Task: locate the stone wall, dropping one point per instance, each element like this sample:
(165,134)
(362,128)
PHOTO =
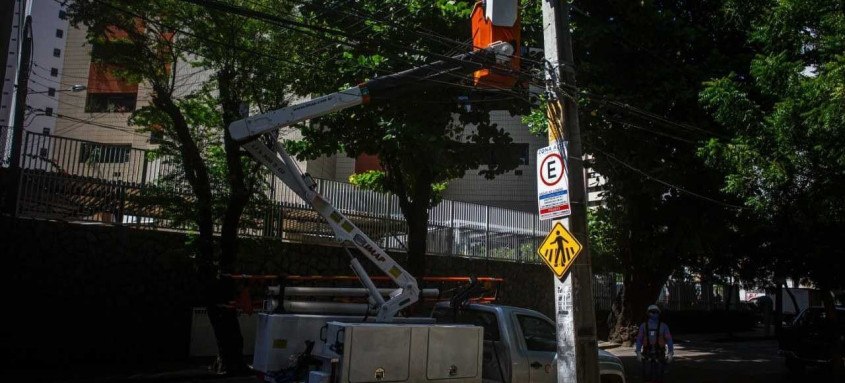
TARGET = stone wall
(93,292)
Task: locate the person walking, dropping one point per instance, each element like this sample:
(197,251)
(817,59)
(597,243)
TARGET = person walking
(655,349)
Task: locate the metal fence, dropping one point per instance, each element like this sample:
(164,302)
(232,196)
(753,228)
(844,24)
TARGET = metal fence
(70,179)
(675,295)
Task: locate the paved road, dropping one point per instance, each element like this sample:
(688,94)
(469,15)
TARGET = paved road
(704,359)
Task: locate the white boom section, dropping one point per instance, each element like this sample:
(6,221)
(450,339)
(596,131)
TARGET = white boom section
(280,163)
(320,106)
(249,130)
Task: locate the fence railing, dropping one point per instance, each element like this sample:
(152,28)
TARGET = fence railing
(674,296)
(73,179)
(79,180)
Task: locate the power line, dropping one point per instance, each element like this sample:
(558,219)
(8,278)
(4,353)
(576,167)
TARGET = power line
(292,25)
(296,25)
(667,184)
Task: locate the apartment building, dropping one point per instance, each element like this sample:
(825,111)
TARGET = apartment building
(99,113)
(45,86)
(516,190)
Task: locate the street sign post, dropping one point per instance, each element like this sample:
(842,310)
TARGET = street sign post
(552,183)
(559,250)
(575,318)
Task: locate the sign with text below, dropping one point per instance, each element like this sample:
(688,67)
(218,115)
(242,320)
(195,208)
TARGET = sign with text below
(552,183)
(559,250)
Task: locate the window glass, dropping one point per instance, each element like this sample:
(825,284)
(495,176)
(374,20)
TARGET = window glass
(538,333)
(476,318)
(110,102)
(518,151)
(103,153)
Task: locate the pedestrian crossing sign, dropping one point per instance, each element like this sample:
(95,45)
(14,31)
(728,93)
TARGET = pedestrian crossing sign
(559,250)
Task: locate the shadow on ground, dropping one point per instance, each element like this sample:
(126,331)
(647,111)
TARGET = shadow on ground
(745,360)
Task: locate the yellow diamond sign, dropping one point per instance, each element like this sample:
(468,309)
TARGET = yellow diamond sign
(559,250)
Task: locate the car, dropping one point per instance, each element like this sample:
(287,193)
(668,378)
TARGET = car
(519,344)
(807,340)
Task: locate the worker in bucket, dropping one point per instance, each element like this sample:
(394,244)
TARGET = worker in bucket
(655,348)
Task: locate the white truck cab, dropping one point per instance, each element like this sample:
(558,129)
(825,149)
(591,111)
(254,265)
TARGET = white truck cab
(519,344)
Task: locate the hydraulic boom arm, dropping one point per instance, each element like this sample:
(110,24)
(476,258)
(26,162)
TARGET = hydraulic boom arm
(271,154)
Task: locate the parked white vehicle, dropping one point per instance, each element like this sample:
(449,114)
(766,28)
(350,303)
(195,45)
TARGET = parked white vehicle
(519,344)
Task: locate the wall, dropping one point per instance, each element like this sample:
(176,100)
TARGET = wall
(94,293)
(45,23)
(510,190)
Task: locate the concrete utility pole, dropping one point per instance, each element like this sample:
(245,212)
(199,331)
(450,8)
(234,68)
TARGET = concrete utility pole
(577,350)
(20,93)
(20,114)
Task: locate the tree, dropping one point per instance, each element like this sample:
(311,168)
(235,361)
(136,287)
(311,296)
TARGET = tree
(159,36)
(424,138)
(785,155)
(640,66)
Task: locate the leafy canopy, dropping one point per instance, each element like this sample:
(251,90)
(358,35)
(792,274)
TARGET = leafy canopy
(785,156)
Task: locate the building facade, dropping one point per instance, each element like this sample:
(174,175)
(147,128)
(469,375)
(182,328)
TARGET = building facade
(98,111)
(49,33)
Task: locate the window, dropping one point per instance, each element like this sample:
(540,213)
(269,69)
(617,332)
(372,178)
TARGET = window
(63,15)
(156,136)
(51,92)
(57,52)
(477,318)
(538,333)
(107,92)
(54,72)
(60,33)
(104,153)
(522,151)
(110,102)
(48,111)
(366,162)
(519,151)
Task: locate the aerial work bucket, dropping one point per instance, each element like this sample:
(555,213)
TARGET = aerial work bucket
(492,21)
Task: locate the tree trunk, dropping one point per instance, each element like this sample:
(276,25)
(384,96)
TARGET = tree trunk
(217,291)
(196,173)
(229,339)
(638,292)
(417,236)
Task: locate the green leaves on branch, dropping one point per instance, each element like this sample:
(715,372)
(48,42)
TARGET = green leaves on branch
(785,155)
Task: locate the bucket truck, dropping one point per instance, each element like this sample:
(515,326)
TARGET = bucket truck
(352,350)
(386,348)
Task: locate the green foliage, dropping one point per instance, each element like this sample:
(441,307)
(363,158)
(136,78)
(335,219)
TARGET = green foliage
(537,120)
(604,245)
(785,156)
(371,180)
(162,36)
(654,56)
(423,137)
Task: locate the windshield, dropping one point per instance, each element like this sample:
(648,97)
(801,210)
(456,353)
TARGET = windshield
(483,319)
